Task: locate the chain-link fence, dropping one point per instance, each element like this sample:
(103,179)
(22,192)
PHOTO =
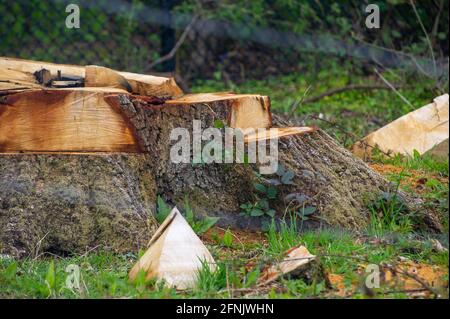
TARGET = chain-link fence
(37,30)
(239,39)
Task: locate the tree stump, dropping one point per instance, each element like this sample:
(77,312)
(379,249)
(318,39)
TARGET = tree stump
(103,191)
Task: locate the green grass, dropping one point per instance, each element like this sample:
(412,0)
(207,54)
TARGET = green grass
(435,174)
(357,112)
(105,275)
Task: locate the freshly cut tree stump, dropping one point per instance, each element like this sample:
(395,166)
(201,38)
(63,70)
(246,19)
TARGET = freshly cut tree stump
(243,110)
(97,158)
(64,120)
(338,184)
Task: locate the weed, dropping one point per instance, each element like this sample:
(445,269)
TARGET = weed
(211,280)
(267,193)
(227,239)
(199,226)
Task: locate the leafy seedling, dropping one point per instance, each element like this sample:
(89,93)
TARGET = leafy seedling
(227,239)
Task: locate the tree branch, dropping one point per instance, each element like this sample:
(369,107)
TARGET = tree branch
(179,43)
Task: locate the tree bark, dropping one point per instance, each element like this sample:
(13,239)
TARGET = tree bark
(72,203)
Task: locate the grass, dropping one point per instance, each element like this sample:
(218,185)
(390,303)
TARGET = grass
(389,236)
(358,112)
(425,175)
(104,275)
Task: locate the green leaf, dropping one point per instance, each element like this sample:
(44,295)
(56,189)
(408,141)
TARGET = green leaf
(252,277)
(188,211)
(260,188)
(162,210)
(227,239)
(10,272)
(219,124)
(308,210)
(263,204)
(246,159)
(272,192)
(280,170)
(256,212)
(271,212)
(206,223)
(50,278)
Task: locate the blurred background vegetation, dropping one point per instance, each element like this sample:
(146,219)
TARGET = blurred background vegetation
(290,50)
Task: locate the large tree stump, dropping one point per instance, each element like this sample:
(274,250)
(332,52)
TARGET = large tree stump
(94,196)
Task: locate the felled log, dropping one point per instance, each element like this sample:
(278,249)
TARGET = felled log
(419,130)
(96,76)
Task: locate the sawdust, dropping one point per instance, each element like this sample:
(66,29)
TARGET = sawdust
(414,178)
(435,277)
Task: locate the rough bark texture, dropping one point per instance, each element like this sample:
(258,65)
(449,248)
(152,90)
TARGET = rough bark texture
(70,203)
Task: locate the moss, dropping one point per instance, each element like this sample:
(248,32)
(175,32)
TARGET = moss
(68,203)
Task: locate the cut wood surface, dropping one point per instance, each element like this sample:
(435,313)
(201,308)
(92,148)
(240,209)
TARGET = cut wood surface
(138,83)
(65,120)
(91,119)
(99,76)
(175,254)
(30,67)
(295,260)
(419,130)
(143,84)
(14,80)
(244,110)
(277,132)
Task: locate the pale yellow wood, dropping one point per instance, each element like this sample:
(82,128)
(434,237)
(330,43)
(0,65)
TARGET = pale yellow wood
(16,80)
(175,254)
(247,110)
(150,85)
(29,66)
(99,76)
(64,120)
(418,130)
(294,259)
(139,83)
(277,132)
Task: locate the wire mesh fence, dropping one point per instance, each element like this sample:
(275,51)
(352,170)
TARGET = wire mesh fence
(254,40)
(37,30)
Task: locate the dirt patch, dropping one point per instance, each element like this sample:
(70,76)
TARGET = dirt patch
(244,237)
(413,178)
(433,276)
(338,283)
